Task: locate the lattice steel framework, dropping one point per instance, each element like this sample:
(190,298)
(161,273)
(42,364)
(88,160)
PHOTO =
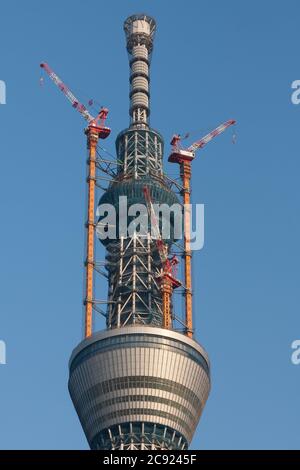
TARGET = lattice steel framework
(133,263)
(134,291)
(141,152)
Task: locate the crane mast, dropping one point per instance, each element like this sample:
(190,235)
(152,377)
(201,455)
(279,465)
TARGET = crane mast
(184,158)
(96,130)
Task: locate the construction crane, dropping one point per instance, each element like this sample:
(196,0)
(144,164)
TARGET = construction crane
(95,130)
(184,158)
(98,121)
(168,281)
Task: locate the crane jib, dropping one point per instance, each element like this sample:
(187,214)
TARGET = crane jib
(200,143)
(69,95)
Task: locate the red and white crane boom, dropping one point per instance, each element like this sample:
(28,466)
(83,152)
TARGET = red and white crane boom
(93,121)
(200,143)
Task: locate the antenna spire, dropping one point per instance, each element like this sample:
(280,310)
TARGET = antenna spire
(139,31)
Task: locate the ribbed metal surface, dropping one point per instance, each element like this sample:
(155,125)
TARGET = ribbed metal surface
(139,374)
(139,68)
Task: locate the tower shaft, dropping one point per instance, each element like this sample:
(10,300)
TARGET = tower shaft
(139,384)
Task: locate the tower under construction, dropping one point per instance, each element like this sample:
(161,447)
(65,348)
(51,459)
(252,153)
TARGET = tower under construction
(143,382)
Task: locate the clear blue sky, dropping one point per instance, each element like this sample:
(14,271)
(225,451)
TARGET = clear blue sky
(212,61)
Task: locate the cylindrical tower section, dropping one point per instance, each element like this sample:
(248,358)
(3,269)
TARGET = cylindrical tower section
(139,30)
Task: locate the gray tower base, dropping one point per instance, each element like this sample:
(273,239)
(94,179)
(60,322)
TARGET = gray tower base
(139,387)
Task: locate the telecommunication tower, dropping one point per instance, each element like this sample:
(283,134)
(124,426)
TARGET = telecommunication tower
(142,383)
